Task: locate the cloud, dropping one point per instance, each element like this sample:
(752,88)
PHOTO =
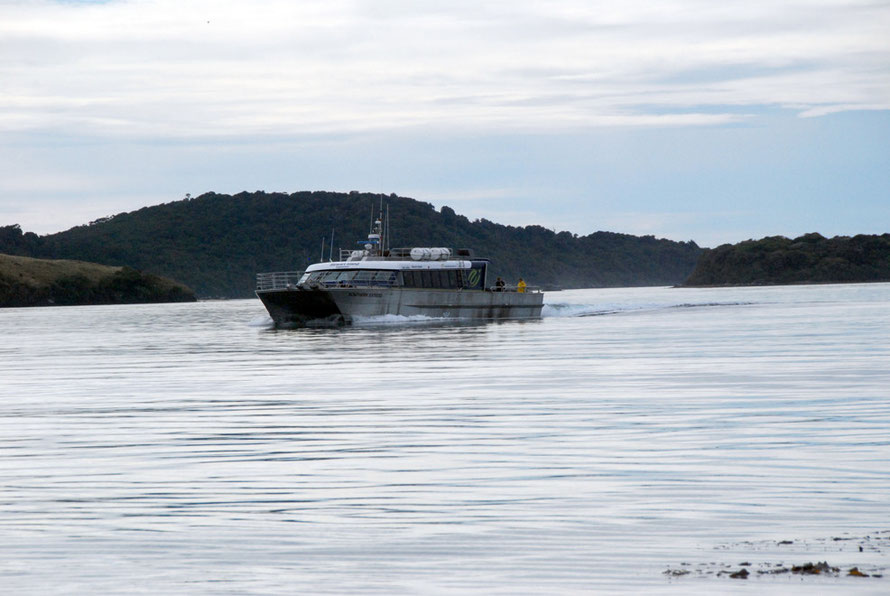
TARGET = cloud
(208,68)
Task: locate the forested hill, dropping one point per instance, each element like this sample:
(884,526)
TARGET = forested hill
(811,258)
(217,243)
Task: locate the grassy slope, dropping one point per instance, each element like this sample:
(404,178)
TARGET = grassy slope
(43,272)
(32,282)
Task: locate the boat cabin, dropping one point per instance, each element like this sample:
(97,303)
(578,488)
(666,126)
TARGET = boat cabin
(443,275)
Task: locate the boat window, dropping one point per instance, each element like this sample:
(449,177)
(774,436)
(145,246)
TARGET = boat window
(384,278)
(427,278)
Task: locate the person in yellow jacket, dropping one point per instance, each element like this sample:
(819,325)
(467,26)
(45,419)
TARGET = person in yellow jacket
(520,287)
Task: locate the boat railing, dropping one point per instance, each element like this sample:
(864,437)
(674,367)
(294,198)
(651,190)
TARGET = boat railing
(515,289)
(278,280)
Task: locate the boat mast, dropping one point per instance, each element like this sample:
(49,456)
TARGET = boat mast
(381,230)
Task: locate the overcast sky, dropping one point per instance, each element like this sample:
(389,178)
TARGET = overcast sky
(686,119)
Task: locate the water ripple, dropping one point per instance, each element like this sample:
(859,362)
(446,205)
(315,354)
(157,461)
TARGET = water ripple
(194,449)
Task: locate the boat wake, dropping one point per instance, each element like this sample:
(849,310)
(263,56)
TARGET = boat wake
(262,322)
(390,320)
(564,310)
(580,310)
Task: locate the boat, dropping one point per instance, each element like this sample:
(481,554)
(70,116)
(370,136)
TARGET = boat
(375,281)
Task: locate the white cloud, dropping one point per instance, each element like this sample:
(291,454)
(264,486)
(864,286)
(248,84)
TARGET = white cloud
(51,215)
(14,181)
(210,68)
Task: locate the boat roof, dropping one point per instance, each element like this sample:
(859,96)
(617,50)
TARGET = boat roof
(387,265)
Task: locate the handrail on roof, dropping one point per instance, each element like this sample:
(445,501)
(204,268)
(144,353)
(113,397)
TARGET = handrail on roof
(278,280)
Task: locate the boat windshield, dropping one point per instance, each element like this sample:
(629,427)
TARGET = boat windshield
(351,278)
(450,279)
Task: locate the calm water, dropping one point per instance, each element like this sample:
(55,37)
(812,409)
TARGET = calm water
(192,449)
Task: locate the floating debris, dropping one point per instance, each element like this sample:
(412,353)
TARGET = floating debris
(814,568)
(775,571)
(876,542)
(822,568)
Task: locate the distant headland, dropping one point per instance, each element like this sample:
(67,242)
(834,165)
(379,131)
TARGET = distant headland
(38,282)
(811,258)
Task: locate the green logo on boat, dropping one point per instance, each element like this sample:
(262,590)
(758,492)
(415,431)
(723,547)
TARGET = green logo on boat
(473,278)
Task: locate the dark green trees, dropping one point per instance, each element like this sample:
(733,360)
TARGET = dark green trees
(808,259)
(217,243)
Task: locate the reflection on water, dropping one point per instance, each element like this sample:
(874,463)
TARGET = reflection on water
(193,449)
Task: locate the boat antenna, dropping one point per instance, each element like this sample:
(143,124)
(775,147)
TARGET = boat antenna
(387,227)
(331,253)
(320,260)
(381,246)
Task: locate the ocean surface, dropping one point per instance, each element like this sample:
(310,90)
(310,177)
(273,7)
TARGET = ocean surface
(647,440)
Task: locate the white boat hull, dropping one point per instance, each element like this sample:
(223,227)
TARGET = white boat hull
(296,307)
